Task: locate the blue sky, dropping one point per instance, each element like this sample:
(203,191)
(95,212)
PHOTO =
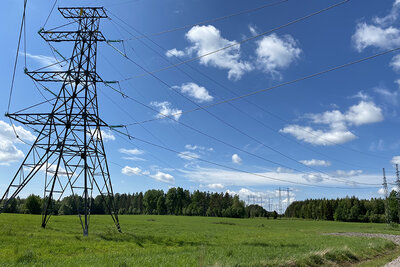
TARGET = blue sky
(337,130)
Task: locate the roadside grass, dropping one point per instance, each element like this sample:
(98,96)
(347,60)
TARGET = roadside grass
(188,241)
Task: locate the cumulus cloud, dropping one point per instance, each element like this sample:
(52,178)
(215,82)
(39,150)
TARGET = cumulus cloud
(7,133)
(371,35)
(163,177)
(215,186)
(350,173)
(313,177)
(395,63)
(396,160)
(199,93)
(187,155)
(105,135)
(381,191)
(130,171)
(134,151)
(159,176)
(316,162)
(236,159)
(165,109)
(365,112)
(9,153)
(276,53)
(175,53)
(206,39)
(319,137)
(389,18)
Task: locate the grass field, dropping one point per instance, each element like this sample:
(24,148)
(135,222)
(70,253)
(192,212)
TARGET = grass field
(188,241)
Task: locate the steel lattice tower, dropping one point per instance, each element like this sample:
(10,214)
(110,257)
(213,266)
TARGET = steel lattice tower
(69,149)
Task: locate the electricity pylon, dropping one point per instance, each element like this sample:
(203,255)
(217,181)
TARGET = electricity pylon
(69,149)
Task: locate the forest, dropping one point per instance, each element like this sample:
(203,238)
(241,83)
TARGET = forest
(176,201)
(349,209)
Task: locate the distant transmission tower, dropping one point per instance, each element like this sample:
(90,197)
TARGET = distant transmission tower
(280,201)
(69,149)
(288,197)
(397,178)
(385,192)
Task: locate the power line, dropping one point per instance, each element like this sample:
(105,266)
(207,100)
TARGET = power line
(236,129)
(232,168)
(237,43)
(51,11)
(320,73)
(221,85)
(16,56)
(209,20)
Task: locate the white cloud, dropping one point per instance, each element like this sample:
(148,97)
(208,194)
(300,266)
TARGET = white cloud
(197,92)
(253,30)
(7,133)
(9,153)
(163,177)
(391,97)
(187,155)
(319,137)
(215,186)
(130,171)
(361,95)
(165,109)
(133,158)
(196,147)
(134,151)
(391,17)
(228,178)
(236,159)
(316,162)
(381,191)
(283,170)
(276,53)
(350,173)
(365,112)
(106,135)
(370,35)
(45,61)
(396,160)
(206,39)
(174,52)
(395,63)
(313,177)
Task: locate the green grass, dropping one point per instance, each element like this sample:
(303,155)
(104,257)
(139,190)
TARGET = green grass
(188,241)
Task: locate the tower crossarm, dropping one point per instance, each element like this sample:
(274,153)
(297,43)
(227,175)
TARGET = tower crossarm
(64,76)
(71,36)
(59,119)
(83,12)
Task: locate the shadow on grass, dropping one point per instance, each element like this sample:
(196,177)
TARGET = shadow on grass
(142,239)
(264,244)
(226,223)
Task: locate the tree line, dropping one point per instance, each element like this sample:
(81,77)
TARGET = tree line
(176,201)
(349,209)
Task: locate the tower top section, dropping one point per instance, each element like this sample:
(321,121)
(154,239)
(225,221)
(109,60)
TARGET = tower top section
(83,12)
